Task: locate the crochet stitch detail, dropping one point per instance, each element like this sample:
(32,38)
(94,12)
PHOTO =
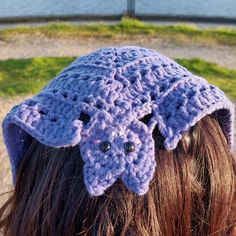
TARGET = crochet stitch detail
(102,97)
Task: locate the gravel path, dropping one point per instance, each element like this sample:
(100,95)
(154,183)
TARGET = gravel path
(31,46)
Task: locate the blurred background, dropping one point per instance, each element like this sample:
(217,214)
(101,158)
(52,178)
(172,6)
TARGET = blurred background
(213,8)
(39,38)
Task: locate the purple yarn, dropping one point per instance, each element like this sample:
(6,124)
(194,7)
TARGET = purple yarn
(102,97)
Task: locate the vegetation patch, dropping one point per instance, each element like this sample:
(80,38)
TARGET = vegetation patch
(127,28)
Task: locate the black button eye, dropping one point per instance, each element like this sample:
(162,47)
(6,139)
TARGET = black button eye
(129,147)
(105,146)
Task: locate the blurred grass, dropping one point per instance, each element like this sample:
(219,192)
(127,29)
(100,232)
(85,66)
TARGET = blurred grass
(28,76)
(127,28)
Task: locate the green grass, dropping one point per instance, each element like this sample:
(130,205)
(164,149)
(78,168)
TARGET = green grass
(28,76)
(128,28)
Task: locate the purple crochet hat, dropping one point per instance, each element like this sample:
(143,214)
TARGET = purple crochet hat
(98,103)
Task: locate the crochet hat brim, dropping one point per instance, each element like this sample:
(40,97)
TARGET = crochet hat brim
(186,104)
(32,119)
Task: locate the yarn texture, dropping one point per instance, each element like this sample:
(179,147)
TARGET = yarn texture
(98,103)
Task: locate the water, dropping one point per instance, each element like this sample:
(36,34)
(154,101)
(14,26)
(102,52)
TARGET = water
(223,8)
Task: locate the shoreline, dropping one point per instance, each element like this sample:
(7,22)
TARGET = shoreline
(118,17)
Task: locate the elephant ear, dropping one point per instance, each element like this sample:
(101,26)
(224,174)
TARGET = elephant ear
(185,103)
(52,120)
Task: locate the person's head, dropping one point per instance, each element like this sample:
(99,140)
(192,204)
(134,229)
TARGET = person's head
(150,152)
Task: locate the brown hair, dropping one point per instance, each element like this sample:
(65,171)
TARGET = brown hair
(193,192)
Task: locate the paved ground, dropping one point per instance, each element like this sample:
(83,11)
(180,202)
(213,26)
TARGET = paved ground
(31,46)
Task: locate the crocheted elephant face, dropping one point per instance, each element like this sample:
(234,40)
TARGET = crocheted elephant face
(117,148)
